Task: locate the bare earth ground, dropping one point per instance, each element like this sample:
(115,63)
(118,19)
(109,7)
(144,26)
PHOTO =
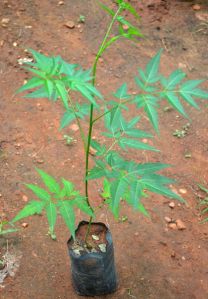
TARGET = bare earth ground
(153,261)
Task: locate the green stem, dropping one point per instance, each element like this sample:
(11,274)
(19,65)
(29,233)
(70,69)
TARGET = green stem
(99,53)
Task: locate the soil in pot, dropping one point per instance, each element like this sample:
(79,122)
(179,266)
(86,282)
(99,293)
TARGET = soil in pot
(92,263)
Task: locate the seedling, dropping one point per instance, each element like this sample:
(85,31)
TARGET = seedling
(182,133)
(123,179)
(81,19)
(5,223)
(69,140)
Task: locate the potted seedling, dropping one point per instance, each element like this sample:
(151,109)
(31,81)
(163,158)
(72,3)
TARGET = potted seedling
(90,245)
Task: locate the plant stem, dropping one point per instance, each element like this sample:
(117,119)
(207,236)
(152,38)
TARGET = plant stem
(99,53)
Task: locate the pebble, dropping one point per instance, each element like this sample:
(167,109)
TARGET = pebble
(168,219)
(172,225)
(183,191)
(24,198)
(61,3)
(24,224)
(180,224)
(172,205)
(125,27)
(74,127)
(69,24)
(5,22)
(196,7)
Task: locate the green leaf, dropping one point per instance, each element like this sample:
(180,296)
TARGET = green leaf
(81,203)
(191,84)
(43,62)
(96,173)
(67,212)
(159,189)
(188,98)
(121,92)
(39,192)
(86,93)
(50,87)
(32,208)
(49,181)
(106,189)
(142,209)
(152,114)
(149,168)
(8,231)
(37,72)
(51,216)
(174,101)
(39,93)
(135,193)
(175,78)
(61,89)
(199,93)
(117,190)
(152,68)
(125,142)
(131,9)
(138,133)
(107,9)
(68,186)
(67,118)
(32,83)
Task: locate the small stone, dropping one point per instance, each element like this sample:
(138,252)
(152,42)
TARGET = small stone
(74,127)
(24,198)
(24,224)
(77,252)
(183,258)
(94,237)
(15,44)
(136,233)
(5,22)
(173,254)
(61,3)
(125,27)
(196,7)
(182,65)
(172,205)
(40,161)
(1,43)
(168,219)
(180,224)
(183,191)
(172,225)
(102,247)
(69,24)
(144,140)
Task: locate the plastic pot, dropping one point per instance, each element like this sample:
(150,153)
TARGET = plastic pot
(93,273)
